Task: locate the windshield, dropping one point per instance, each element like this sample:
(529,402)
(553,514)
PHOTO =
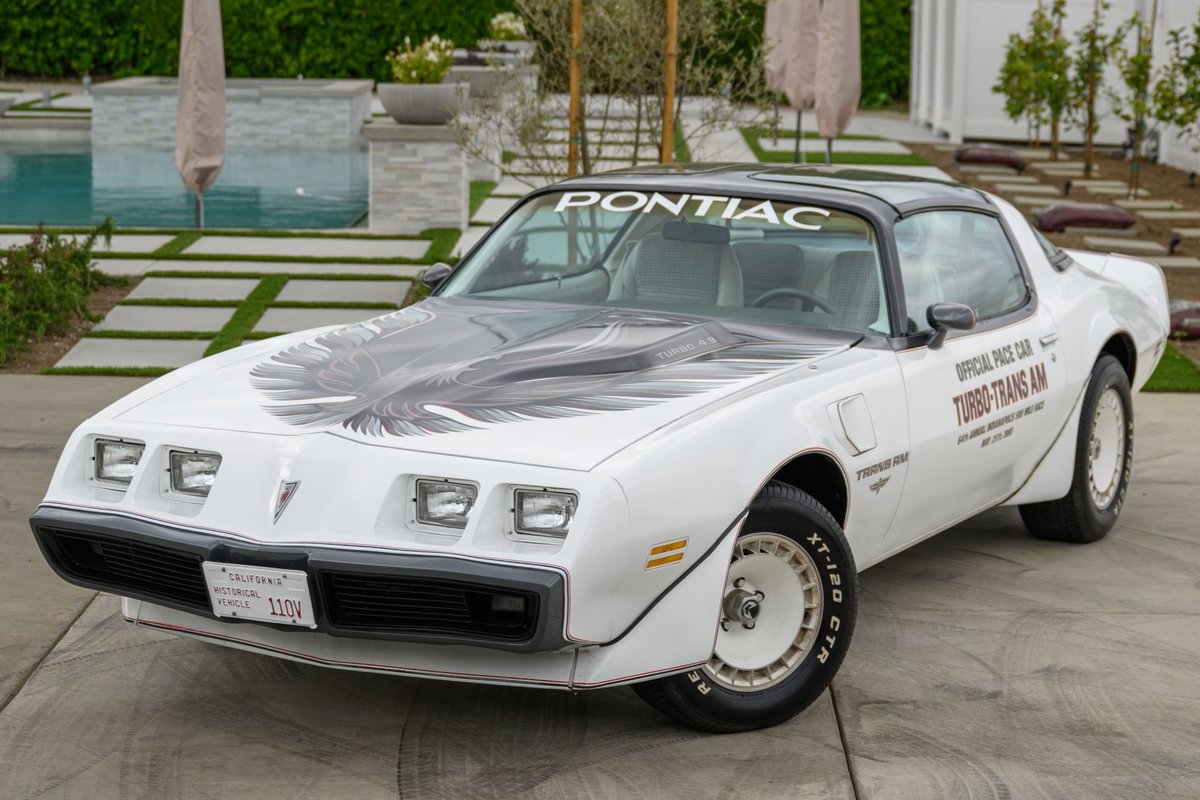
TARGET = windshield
(734,258)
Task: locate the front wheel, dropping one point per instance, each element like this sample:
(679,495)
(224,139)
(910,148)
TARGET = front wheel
(1103,463)
(786,621)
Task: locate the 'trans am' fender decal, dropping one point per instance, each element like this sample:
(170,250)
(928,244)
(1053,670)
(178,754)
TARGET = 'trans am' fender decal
(698,205)
(996,394)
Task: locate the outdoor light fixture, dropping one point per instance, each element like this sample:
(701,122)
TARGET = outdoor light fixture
(445,503)
(116,461)
(541,512)
(193,473)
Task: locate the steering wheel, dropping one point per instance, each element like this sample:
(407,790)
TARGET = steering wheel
(813,300)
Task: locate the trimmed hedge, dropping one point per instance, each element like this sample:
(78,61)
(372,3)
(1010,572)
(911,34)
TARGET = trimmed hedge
(886,41)
(263,38)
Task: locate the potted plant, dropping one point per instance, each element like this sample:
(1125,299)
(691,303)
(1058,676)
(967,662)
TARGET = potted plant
(418,96)
(507,33)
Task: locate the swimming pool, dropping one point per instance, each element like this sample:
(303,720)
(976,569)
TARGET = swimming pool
(69,184)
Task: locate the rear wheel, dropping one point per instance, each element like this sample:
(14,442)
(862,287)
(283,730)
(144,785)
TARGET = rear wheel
(1103,463)
(787,618)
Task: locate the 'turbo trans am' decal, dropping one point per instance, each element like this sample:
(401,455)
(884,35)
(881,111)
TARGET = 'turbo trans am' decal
(443,366)
(996,394)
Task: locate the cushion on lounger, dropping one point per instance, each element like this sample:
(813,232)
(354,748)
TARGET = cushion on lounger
(983,153)
(1060,216)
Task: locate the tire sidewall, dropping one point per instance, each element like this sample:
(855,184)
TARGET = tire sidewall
(821,538)
(1109,374)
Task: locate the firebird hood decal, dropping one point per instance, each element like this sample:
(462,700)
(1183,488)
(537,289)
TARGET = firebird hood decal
(451,365)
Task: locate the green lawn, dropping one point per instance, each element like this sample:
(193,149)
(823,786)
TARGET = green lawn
(1176,373)
(786,132)
(479,192)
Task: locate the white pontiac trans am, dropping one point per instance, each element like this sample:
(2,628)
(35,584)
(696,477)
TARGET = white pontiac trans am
(647,432)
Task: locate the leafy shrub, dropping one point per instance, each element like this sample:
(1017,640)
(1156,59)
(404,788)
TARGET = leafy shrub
(885,40)
(428,62)
(44,285)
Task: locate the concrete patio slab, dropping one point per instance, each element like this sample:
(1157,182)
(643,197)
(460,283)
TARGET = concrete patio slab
(1033,200)
(990,177)
(1176,262)
(125,267)
(1118,245)
(316,291)
(786,144)
(286,320)
(165,318)
(492,209)
(519,187)
(1027,188)
(312,246)
(1164,215)
(133,353)
(1134,205)
(121,242)
(1117,191)
(1187,233)
(193,289)
(289,267)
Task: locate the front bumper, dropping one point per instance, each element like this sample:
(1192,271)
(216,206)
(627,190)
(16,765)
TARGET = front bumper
(365,595)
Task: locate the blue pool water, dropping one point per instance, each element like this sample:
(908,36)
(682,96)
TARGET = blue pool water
(61,184)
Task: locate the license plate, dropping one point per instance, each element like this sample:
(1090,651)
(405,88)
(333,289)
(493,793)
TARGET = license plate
(258,593)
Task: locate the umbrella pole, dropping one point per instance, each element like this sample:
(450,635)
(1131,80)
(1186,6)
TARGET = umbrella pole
(799,133)
(829,152)
(199,210)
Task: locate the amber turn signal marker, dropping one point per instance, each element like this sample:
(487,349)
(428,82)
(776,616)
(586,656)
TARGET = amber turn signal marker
(666,553)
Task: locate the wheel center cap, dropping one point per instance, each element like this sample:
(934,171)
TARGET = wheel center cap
(743,604)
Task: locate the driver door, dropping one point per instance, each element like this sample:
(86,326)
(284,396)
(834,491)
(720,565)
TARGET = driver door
(985,406)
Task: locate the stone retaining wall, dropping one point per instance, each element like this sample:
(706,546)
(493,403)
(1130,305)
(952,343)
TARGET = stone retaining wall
(419,178)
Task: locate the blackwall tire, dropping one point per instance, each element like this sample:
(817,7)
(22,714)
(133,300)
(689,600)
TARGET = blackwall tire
(1103,463)
(776,653)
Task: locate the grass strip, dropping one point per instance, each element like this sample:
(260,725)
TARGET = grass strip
(116,334)
(177,245)
(180,302)
(248,314)
(790,133)
(441,242)
(322,276)
(479,192)
(256,335)
(121,372)
(1176,373)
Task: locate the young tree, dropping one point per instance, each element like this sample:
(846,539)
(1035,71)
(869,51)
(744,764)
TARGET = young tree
(1035,75)
(1132,99)
(1093,51)
(1018,83)
(1176,94)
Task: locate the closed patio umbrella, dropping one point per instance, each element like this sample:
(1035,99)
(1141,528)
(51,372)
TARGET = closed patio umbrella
(839,70)
(790,33)
(200,124)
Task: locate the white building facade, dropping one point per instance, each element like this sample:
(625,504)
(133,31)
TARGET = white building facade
(958,48)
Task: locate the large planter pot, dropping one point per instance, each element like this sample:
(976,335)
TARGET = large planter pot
(422,103)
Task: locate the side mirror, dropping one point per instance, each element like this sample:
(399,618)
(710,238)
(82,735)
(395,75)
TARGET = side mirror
(436,275)
(945,317)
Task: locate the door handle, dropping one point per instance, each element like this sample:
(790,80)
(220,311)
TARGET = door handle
(1048,339)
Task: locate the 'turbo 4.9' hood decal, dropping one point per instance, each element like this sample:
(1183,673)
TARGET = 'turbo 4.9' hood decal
(456,365)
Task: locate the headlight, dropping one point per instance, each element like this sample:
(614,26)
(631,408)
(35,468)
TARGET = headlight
(193,473)
(117,461)
(544,513)
(445,503)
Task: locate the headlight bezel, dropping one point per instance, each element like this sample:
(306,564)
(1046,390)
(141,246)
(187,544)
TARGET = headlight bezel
(96,472)
(172,488)
(440,525)
(542,534)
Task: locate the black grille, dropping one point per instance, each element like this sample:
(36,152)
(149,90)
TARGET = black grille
(139,568)
(370,602)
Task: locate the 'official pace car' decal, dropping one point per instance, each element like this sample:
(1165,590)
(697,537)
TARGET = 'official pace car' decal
(454,365)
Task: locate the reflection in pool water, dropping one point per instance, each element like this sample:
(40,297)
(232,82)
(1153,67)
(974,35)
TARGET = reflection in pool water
(66,184)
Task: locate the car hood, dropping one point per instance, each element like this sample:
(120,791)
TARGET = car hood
(558,385)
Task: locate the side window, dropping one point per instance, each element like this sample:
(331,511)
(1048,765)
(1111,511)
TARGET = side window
(957,257)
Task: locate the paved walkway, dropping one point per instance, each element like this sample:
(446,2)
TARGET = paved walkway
(985,664)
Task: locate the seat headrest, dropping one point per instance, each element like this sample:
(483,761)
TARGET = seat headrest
(681,231)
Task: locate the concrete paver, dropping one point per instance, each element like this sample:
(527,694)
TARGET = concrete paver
(1170,215)
(492,209)
(1029,189)
(289,267)
(286,320)
(1134,205)
(133,353)
(165,318)
(1176,262)
(1107,244)
(308,246)
(1006,177)
(317,291)
(1117,191)
(788,143)
(193,289)
(1188,233)
(121,242)
(987,169)
(519,187)
(469,238)
(1033,200)
(125,267)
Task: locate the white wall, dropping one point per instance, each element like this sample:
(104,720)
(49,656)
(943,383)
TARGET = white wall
(957,50)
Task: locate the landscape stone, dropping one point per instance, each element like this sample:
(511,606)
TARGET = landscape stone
(286,320)
(318,291)
(308,246)
(165,318)
(1118,245)
(193,289)
(133,353)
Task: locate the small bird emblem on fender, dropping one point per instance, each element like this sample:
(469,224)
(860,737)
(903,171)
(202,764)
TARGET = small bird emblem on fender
(879,484)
